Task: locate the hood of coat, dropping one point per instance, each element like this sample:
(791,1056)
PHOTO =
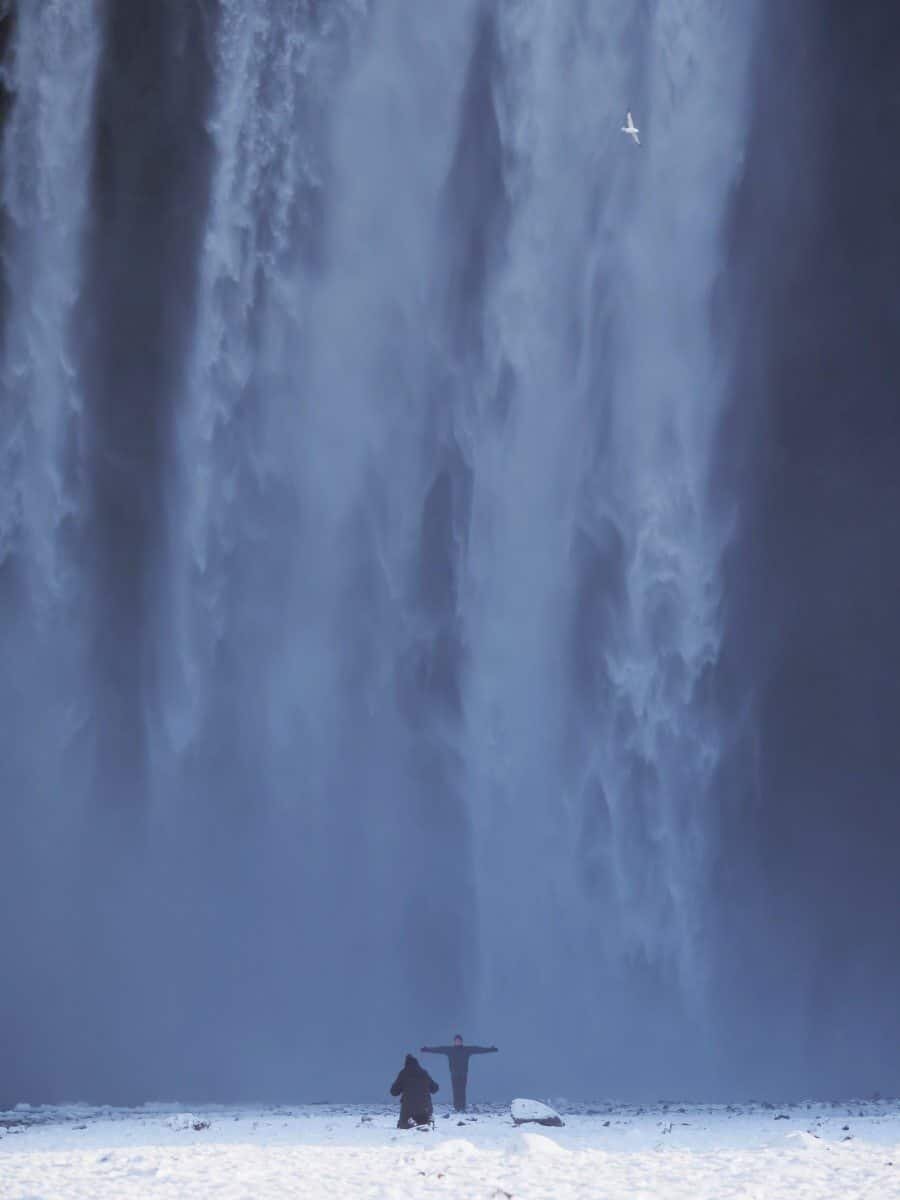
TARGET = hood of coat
(413,1066)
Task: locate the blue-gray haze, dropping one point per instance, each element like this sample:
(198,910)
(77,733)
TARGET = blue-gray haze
(448,553)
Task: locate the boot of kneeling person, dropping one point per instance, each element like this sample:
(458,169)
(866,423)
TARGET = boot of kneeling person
(415,1087)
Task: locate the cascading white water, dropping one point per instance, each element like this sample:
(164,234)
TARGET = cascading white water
(303,461)
(596,503)
(428,735)
(668,406)
(242,374)
(46,167)
(46,688)
(47,154)
(591,605)
(472,508)
(377,654)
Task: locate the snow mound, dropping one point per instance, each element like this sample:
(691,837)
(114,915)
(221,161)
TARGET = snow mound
(455,1148)
(524,1111)
(808,1140)
(536,1145)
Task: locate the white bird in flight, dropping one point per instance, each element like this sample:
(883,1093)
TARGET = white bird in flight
(632,129)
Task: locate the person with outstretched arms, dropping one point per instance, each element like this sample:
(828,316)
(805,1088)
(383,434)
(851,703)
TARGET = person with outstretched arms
(458,1056)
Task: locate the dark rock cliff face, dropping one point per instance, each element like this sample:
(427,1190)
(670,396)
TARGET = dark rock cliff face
(7,19)
(7,23)
(151,170)
(809,884)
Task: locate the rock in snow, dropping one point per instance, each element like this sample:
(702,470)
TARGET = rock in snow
(524,1111)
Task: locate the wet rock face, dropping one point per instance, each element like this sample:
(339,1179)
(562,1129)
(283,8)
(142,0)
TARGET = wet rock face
(815,510)
(6,25)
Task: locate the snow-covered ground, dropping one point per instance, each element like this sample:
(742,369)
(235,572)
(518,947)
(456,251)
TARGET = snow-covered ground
(837,1151)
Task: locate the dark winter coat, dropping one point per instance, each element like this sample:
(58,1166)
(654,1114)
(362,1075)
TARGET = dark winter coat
(459,1057)
(415,1087)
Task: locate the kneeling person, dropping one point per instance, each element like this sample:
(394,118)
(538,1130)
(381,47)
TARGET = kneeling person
(415,1087)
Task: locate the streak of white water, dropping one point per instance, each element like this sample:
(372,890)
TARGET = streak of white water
(307,369)
(457,554)
(46,168)
(301,452)
(599,793)
(667,406)
(242,375)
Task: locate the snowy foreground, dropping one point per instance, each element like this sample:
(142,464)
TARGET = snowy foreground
(671,1151)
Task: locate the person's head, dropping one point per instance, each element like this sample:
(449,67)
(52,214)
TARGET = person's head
(457,1040)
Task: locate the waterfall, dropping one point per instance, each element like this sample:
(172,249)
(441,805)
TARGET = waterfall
(46,166)
(444,570)
(438,581)
(591,574)
(304,630)
(47,151)
(46,702)
(371,560)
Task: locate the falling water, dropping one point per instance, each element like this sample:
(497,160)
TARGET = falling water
(444,573)
(46,166)
(590,598)
(46,163)
(439,586)
(361,568)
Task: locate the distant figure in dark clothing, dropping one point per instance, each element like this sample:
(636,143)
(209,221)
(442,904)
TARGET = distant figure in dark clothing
(459,1056)
(415,1087)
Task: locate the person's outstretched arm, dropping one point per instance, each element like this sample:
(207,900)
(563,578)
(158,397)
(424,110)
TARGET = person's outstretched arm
(482,1049)
(435,1049)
